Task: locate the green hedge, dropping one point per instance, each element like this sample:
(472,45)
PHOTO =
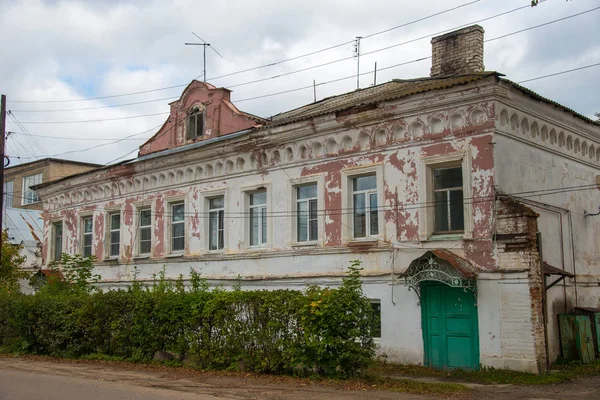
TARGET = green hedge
(324,331)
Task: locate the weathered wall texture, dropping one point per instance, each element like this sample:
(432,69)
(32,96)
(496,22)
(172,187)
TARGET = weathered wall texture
(536,153)
(221,118)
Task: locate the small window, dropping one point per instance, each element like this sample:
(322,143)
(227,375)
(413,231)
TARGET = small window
(448,200)
(29,195)
(145,231)
(57,235)
(115,234)
(258,218)
(306,210)
(8,194)
(195,124)
(365,210)
(177,227)
(216,207)
(88,227)
(376,321)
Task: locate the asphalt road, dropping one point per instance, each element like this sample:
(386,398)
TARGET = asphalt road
(21,385)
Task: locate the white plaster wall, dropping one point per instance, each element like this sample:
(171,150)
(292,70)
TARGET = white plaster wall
(523,167)
(506,337)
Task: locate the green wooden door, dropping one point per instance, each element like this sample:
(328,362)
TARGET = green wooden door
(450,330)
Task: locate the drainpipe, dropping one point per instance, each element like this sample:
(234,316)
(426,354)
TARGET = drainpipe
(573,257)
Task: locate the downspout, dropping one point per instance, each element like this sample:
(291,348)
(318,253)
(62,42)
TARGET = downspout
(573,256)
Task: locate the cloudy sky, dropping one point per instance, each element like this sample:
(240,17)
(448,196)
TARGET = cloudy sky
(59,54)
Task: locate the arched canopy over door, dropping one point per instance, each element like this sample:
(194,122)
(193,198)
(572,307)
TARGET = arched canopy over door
(443,266)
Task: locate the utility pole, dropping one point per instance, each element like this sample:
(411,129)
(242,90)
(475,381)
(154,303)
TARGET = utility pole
(3,136)
(204,44)
(357,55)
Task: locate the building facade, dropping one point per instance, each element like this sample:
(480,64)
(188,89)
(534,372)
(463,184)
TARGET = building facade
(444,187)
(19,179)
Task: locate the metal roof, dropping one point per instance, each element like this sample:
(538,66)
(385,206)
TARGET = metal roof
(463,266)
(24,226)
(394,89)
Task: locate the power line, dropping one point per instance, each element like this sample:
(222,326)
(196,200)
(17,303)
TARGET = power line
(99,107)
(344,59)
(96,120)
(560,73)
(261,66)
(75,138)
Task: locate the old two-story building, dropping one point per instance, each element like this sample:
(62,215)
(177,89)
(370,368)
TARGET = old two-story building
(445,187)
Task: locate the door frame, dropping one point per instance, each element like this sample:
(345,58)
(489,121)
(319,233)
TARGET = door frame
(424,320)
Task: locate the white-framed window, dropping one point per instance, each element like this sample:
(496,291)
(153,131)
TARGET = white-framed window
(258,217)
(8,194)
(444,183)
(145,231)
(195,124)
(365,215)
(29,195)
(87,224)
(307,226)
(216,223)
(448,200)
(114,234)
(57,240)
(177,227)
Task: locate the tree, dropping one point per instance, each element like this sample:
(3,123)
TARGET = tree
(10,265)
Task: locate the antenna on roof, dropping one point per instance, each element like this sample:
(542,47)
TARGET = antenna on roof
(204,44)
(357,55)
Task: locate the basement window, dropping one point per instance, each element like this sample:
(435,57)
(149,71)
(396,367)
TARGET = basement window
(195,124)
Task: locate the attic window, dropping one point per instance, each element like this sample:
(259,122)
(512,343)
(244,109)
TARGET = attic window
(195,124)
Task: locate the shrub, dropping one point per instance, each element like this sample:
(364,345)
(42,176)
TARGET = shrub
(323,331)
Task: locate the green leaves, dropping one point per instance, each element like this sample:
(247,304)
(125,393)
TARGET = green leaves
(323,330)
(10,265)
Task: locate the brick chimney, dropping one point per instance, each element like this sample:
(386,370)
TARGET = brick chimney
(457,52)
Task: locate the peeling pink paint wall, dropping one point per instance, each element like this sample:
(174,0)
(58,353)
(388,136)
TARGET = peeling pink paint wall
(221,118)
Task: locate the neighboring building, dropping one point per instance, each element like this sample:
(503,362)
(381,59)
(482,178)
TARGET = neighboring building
(24,227)
(439,185)
(19,179)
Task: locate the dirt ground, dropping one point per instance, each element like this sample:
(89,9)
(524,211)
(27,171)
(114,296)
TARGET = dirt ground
(181,383)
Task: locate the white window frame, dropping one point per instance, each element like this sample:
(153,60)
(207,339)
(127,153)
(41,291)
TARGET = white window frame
(84,234)
(292,236)
(262,217)
(427,214)
(53,224)
(139,227)
(367,195)
(8,194)
(110,231)
(245,203)
(172,224)
(348,175)
(220,217)
(27,191)
(308,201)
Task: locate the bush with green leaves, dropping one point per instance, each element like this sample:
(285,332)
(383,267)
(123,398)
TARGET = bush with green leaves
(319,331)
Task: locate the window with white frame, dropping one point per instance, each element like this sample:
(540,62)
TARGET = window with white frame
(88,227)
(216,230)
(448,200)
(195,124)
(8,194)
(364,206)
(258,218)
(307,229)
(29,195)
(57,239)
(145,231)
(114,221)
(177,227)
(376,318)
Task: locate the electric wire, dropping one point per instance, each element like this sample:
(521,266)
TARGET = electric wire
(253,68)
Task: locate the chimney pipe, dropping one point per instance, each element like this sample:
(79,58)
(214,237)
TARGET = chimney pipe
(457,52)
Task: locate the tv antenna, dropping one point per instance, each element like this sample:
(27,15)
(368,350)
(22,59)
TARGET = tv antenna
(204,44)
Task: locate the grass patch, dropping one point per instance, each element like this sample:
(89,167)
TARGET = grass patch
(560,373)
(417,387)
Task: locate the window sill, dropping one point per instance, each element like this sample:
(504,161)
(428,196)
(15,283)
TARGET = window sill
(305,244)
(257,248)
(220,251)
(174,255)
(114,258)
(145,257)
(363,240)
(446,236)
